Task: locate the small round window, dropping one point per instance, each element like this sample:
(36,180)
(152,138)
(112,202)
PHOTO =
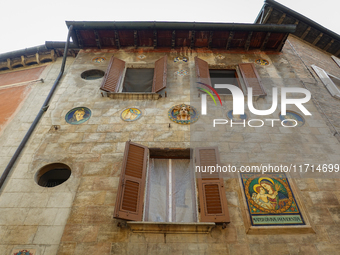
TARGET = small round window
(53,175)
(92,74)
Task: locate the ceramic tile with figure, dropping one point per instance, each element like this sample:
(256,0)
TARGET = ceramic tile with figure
(270,200)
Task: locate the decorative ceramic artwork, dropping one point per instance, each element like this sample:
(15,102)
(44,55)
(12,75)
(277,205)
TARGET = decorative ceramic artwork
(236,118)
(181,72)
(270,200)
(219,56)
(141,56)
(180,59)
(183,114)
(78,115)
(292,119)
(98,60)
(262,62)
(23,252)
(131,114)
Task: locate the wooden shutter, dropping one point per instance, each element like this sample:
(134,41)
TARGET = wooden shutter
(160,73)
(252,79)
(213,205)
(332,88)
(130,195)
(114,75)
(202,71)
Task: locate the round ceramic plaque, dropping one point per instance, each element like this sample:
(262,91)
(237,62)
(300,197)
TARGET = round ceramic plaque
(131,114)
(292,119)
(183,114)
(262,62)
(99,60)
(78,115)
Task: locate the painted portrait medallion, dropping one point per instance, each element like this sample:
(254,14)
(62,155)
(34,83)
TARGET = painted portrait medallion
(131,114)
(291,117)
(78,115)
(262,62)
(99,60)
(236,117)
(183,114)
(270,200)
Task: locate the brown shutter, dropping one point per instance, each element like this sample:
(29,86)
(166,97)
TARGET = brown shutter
(202,71)
(113,75)
(130,194)
(212,198)
(252,79)
(160,73)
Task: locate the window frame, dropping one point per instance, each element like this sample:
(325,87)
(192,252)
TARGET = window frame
(139,213)
(114,77)
(247,75)
(238,77)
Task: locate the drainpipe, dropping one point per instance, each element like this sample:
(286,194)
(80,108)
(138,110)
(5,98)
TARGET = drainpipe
(38,117)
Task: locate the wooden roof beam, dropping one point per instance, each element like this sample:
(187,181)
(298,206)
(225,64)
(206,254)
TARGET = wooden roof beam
(267,15)
(230,38)
(173,39)
(246,46)
(80,41)
(265,41)
(281,19)
(317,39)
(135,39)
(329,45)
(305,33)
(117,42)
(155,38)
(192,43)
(97,39)
(210,39)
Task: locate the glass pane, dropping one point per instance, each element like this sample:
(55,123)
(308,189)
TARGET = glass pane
(184,202)
(156,207)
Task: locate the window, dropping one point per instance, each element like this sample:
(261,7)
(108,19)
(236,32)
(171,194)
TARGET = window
(53,175)
(171,182)
(212,77)
(138,80)
(331,82)
(223,76)
(118,78)
(170,191)
(93,74)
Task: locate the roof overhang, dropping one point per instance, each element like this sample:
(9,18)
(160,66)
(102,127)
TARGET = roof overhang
(228,36)
(308,30)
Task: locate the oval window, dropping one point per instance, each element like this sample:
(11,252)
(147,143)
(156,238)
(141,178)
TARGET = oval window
(92,74)
(53,175)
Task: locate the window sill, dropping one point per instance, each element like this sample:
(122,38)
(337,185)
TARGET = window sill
(134,95)
(171,227)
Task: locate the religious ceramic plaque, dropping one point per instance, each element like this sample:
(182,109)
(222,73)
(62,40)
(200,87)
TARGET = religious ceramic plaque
(131,114)
(270,200)
(78,115)
(183,114)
